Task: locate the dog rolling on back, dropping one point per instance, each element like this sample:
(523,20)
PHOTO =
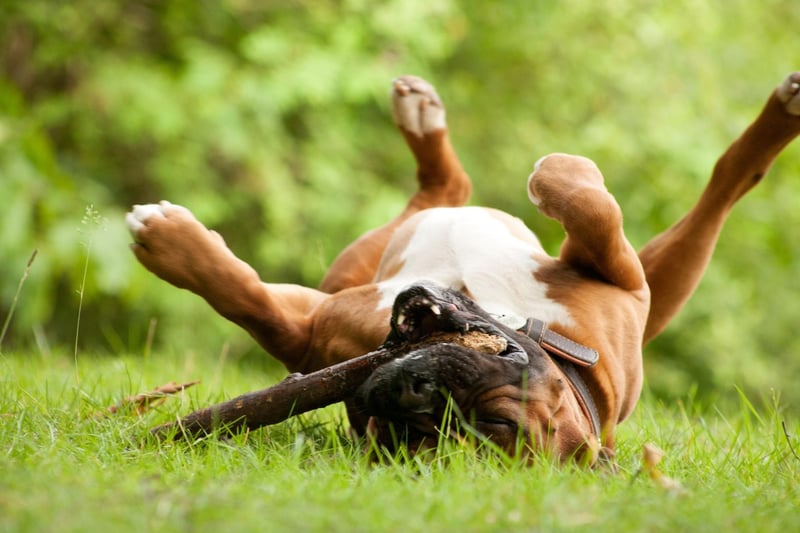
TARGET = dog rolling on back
(564,366)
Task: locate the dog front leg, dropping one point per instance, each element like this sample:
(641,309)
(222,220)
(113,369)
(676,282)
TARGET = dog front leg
(170,242)
(570,189)
(676,260)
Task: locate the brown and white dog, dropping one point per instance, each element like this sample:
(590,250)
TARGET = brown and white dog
(568,366)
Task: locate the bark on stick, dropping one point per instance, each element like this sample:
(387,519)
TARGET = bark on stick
(293,396)
(303,393)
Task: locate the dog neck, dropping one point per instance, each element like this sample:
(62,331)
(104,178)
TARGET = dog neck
(567,355)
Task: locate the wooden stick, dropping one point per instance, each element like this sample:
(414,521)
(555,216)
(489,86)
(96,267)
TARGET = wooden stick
(293,396)
(299,394)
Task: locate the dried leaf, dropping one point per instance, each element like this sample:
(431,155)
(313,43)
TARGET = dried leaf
(144,401)
(651,457)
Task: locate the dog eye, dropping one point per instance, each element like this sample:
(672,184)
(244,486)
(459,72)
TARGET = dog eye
(489,426)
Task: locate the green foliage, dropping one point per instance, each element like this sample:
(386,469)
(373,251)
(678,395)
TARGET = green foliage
(271,122)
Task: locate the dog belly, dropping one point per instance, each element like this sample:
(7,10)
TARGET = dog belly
(488,254)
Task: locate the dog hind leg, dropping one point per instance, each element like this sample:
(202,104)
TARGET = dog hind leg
(570,189)
(675,260)
(420,117)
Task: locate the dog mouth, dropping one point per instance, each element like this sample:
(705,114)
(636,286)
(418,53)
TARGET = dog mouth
(425,314)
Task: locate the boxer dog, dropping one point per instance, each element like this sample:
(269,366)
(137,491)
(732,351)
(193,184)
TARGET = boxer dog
(563,362)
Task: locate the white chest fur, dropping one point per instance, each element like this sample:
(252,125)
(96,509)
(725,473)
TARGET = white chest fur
(489,254)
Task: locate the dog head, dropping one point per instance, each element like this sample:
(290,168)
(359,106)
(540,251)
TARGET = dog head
(498,382)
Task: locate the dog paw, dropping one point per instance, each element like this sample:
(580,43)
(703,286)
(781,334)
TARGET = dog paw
(556,177)
(173,244)
(144,217)
(416,107)
(139,215)
(788,93)
(154,224)
(533,194)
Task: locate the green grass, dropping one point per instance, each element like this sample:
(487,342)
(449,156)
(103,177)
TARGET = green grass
(62,469)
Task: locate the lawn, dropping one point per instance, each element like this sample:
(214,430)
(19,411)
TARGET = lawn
(63,467)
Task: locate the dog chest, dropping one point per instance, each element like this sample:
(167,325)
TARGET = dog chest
(488,254)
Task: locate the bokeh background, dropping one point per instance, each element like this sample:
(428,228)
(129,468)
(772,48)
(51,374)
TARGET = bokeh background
(270,120)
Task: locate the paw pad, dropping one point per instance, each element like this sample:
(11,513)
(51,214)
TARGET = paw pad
(416,107)
(789,93)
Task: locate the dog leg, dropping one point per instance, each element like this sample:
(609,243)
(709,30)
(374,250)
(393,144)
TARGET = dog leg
(570,189)
(420,116)
(675,261)
(174,245)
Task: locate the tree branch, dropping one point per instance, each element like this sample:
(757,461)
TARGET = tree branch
(298,394)
(293,396)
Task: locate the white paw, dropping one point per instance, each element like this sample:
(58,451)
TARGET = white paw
(789,93)
(416,107)
(140,214)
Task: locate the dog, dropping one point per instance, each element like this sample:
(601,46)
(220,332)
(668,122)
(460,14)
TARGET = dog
(562,366)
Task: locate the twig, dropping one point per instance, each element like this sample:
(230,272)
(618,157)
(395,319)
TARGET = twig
(16,296)
(301,393)
(293,396)
(789,440)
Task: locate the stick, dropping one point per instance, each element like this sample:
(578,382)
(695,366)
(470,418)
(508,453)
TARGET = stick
(299,394)
(293,396)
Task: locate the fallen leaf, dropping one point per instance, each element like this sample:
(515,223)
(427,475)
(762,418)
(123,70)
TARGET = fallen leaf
(651,457)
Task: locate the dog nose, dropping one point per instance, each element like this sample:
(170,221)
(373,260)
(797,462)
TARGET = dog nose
(416,394)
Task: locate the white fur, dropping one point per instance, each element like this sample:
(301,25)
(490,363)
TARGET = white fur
(468,248)
(141,213)
(416,113)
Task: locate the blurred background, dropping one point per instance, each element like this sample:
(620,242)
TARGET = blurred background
(271,122)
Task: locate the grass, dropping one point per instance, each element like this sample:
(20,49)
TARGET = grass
(63,469)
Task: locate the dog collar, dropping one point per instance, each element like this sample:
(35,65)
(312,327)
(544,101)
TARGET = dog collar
(568,354)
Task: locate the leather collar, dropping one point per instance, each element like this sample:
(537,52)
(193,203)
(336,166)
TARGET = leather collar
(568,354)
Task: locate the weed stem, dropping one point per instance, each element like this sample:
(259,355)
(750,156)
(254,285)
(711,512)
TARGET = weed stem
(16,296)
